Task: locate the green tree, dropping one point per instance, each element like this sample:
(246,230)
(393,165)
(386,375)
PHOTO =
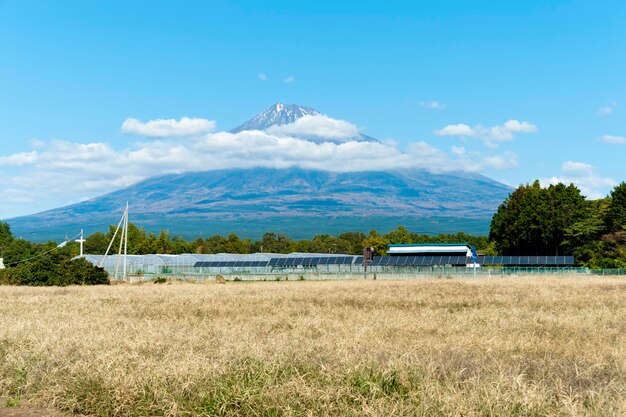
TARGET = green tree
(6,237)
(18,250)
(534,220)
(354,240)
(616,215)
(378,242)
(399,236)
(274,243)
(96,244)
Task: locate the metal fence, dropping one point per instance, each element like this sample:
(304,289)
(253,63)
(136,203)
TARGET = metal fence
(348,272)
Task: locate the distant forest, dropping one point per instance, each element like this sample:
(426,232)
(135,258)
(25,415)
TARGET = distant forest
(556,220)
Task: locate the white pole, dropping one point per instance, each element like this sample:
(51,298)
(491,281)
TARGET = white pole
(81,241)
(126,240)
(119,250)
(111,242)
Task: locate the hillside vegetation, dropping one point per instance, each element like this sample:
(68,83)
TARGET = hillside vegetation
(532,347)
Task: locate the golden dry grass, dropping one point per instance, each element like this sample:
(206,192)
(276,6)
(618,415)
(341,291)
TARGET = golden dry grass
(505,347)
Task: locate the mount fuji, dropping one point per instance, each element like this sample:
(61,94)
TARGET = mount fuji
(294,201)
(272,118)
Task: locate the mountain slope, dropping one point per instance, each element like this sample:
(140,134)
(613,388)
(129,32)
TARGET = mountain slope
(295,201)
(255,199)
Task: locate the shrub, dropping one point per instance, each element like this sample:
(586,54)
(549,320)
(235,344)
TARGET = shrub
(48,270)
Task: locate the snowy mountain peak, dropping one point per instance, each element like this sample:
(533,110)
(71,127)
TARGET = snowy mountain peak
(276,115)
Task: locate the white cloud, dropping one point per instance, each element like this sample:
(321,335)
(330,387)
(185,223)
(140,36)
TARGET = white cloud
(433,105)
(262,76)
(608,109)
(491,136)
(577,168)
(458,150)
(583,176)
(17,196)
(79,170)
(456,130)
(18,159)
(161,128)
(618,140)
(317,126)
(290,80)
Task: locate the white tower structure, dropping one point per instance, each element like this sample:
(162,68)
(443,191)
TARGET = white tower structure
(123,223)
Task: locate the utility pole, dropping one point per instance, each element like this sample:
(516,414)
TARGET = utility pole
(368,255)
(123,244)
(81,241)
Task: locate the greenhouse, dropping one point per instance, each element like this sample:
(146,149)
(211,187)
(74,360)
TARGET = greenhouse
(312,265)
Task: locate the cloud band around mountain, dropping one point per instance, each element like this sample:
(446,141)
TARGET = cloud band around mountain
(81,170)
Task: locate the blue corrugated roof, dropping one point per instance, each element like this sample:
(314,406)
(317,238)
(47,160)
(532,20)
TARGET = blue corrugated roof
(427,244)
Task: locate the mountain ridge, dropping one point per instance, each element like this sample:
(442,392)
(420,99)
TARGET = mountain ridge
(298,200)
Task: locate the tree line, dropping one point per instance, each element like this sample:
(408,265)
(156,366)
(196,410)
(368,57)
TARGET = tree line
(141,242)
(533,220)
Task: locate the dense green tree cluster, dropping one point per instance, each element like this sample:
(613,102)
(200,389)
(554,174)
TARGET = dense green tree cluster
(51,269)
(558,220)
(44,263)
(141,242)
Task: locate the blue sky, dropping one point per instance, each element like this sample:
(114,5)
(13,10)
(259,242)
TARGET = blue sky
(435,81)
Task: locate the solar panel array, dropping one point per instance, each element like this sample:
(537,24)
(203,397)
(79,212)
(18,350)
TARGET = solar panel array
(230,264)
(525,260)
(313,261)
(394,261)
(462,260)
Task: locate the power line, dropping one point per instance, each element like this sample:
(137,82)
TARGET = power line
(60,245)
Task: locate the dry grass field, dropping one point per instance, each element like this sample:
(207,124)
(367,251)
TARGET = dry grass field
(501,347)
